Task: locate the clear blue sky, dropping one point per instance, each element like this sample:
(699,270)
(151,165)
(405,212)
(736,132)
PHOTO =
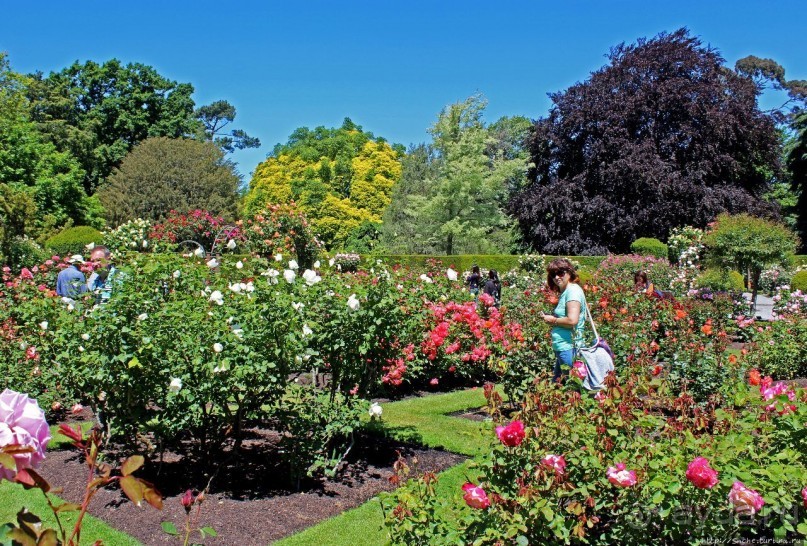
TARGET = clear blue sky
(389,66)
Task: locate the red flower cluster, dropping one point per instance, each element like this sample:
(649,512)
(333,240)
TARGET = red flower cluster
(396,367)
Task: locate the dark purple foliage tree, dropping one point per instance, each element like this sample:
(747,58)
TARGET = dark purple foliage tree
(662,136)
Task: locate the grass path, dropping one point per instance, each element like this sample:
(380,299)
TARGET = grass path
(422,420)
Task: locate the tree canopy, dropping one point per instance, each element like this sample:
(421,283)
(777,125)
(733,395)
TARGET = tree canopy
(163,174)
(340,177)
(662,136)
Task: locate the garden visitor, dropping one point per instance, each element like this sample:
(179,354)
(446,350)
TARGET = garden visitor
(100,282)
(641,284)
(493,287)
(70,282)
(474,280)
(569,316)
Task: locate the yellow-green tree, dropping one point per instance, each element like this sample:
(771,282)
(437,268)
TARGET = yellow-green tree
(340,177)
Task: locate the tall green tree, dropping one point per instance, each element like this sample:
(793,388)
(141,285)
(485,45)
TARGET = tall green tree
(215,118)
(163,174)
(463,208)
(98,112)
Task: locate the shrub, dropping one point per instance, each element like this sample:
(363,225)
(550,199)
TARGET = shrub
(199,226)
(24,252)
(685,245)
(722,280)
(73,240)
(779,349)
(133,235)
(282,229)
(799,281)
(619,271)
(648,246)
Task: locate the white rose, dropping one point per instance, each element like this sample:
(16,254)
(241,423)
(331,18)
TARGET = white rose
(238,332)
(80,349)
(231,244)
(175,385)
(306,330)
(90,246)
(217,297)
(199,252)
(44,324)
(451,274)
(145,243)
(249,287)
(85,336)
(218,347)
(316,264)
(177,274)
(311,277)
(236,287)
(297,306)
(353,303)
(331,262)
(289,275)
(279,258)
(239,264)
(375,410)
(212,263)
(293,264)
(425,278)
(142,316)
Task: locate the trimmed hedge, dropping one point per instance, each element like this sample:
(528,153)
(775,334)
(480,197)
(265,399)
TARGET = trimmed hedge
(648,246)
(799,281)
(800,259)
(499,262)
(719,279)
(73,240)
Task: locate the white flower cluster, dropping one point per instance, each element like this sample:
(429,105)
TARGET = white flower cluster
(133,235)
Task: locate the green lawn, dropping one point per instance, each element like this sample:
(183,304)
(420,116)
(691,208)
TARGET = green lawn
(422,420)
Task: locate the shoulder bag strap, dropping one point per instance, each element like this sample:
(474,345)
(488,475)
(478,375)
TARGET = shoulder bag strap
(590,318)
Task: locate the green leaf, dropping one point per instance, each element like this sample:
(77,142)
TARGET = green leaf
(169,528)
(209,531)
(135,363)
(131,464)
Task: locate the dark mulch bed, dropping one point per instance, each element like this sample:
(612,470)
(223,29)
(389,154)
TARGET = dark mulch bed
(249,501)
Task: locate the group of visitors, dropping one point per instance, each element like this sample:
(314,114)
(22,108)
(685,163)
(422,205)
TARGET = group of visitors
(492,286)
(71,282)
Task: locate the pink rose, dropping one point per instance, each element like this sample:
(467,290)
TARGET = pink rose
(511,435)
(76,409)
(804,496)
(701,474)
(22,423)
(745,501)
(579,369)
(618,475)
(434,382)
(475,496)
(26,273)
(556,463)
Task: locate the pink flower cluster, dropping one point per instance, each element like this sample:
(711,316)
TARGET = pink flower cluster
(396,367)
(770,392)
(701,474)
(512,435)
(579,370)
(745,501)
(22,423)
(556,463)
(475,496)
(619,475)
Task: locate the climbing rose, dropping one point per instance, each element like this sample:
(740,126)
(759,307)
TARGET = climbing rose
(22,423)
(511,435)
(556,463)
(621,477)
(701,474)
(744,500)
(475,496)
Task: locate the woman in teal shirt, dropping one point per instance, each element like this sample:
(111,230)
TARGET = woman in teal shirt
(569,317)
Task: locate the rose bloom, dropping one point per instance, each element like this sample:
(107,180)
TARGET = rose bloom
(579,369)
(745,500)
(22,423)
(475,496)
(804,496)
(754,378)
(701,474)
(620,476)
(556,463)
(511,435)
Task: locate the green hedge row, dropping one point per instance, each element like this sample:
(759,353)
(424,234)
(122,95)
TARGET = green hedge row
(499,262)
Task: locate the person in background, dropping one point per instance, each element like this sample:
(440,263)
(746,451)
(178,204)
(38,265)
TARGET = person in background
(569,316)
(641,284)
(474,280)
(70,283)
(101,280)
(493,287)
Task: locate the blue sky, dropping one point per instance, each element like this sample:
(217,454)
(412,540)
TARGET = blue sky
(389,66)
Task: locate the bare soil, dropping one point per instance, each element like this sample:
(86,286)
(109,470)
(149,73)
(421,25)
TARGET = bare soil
(250,500)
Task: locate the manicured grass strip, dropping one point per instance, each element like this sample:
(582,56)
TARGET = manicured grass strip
(365,524)
(14,497)
(424,421)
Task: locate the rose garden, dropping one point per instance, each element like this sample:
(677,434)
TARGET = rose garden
(269,372)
